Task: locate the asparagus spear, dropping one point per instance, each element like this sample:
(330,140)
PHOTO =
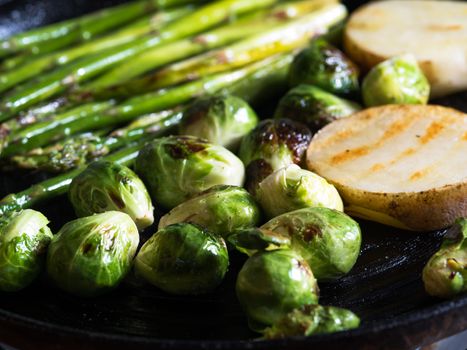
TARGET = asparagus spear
(81,149)
(287,37)
(58,81)
(58,35)
(146,26)
(172,52)
(58,185)
(44,132)
(86,118)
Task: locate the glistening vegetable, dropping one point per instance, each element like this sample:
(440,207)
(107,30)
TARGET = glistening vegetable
(24,237)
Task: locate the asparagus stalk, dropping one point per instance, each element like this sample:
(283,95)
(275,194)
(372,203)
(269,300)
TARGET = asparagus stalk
(147,26)
(86,117)
(287,37)
(83,70)
(58,185)
(59,35)
(80,150)
(44,132)
(230,33)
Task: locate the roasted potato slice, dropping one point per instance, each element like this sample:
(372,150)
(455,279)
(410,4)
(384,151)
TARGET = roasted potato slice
(401,165)
(435,32)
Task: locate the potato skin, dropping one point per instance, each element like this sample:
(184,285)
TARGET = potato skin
(429,210)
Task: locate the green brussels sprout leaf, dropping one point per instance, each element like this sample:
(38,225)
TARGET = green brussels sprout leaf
(253,239)
(312,319)
(24,237)
(445,274)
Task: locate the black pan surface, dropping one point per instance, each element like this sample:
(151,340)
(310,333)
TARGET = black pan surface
(384,288)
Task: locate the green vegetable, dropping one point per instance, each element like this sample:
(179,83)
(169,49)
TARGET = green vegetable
(284,38)
(445,274)
(55,186)
(312,319)
(398,80)
(175,168)
(327,239)
(106,186)
(324,66)
(91,255)
(222,209)
(272,145)
(314,107)
(24,237)
(220,119)
(62,78)
(292,188)
(183,259)
(271,284)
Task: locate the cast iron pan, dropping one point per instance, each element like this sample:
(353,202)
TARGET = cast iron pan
(384,288)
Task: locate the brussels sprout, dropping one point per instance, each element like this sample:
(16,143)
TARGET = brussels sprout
(221,209)
(327,239)
(323,65)
(271,284)
(106,186)
(398,80)
(91,255)
(312,319)
(24,237)
(183,259)
(254,238)
(220,119)
(176,168)
(292,188)
(445,274)
(314,107)
(272,145)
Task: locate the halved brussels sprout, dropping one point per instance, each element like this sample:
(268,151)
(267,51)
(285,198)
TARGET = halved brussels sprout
(175,168)
(222,209)
(24,237)
(183,259)
(325,66)
(106,186)
(91,255)
(445,274)
(314,107)
(312,319)
(273,283)
(398,80)
(272,145)
(292,188)
(327,239)
(221,119)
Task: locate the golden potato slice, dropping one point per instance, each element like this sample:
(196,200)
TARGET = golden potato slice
(401,165)
(435,32)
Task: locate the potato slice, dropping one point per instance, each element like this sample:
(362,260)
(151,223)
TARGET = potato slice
(401,165)
(435,32)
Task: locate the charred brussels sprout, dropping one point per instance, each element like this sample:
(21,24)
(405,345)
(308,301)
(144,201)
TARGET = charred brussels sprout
(323,65)
(312,319)
(398,80)
(24,237)
(222,209)
(445,274)
(314,107)
(106,186)
(292,188)
(327,239)
(175,168)
(183,259)
(272,145)
(91,255)
(271,284)
(220,119)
